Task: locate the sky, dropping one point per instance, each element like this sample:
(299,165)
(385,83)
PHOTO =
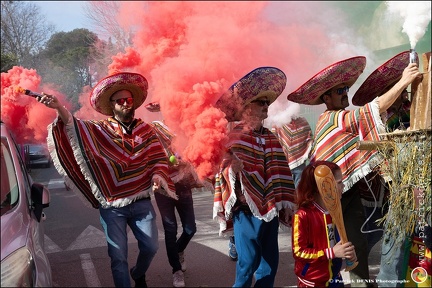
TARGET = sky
(65,15)
(192,51)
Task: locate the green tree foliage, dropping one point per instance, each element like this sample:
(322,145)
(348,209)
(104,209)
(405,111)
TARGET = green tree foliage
(8,60)
(68,61)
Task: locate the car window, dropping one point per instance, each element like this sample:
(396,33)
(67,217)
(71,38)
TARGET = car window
(9,185)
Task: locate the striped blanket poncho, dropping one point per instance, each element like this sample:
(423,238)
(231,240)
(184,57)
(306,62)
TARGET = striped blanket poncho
(104,164)
(336,137)
(296,140)
(265,180)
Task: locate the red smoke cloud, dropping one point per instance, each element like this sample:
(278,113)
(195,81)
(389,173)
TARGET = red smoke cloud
(27,118)
(191,52)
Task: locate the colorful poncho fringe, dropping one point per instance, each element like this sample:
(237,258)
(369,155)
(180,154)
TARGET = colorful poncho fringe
(296,138)
(107,166)
(266,179)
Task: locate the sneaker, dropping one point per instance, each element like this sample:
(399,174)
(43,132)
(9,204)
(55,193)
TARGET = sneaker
(182,261)
(232,252)
(178,279)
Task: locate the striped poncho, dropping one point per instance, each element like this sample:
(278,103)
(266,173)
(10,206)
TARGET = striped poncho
(265,180)
(296,140)
(336,137)
(107,166)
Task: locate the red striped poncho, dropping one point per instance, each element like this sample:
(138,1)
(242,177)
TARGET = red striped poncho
(336,137)
(296,140)
(266,179)
(107,166)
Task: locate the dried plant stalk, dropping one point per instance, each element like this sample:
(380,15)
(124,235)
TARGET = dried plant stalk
(408,167)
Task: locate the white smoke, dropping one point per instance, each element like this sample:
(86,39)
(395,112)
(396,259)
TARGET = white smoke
(281,114)
(416,15)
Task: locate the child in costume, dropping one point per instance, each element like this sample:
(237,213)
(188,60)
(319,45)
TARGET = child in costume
(316,245)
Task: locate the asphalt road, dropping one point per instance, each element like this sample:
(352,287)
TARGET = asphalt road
(77,250)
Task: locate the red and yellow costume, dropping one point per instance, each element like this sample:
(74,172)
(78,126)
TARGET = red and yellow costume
(313,236)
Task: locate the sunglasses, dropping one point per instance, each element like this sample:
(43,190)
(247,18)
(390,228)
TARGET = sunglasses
(261,102)
(341,91)
(121,101)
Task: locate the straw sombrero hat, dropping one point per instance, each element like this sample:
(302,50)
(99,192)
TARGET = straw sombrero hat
(153,107)
(133,82)
(261,82)
(381,79)
(346,71)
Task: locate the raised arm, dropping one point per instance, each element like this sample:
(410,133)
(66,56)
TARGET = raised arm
(409,74)
(52,102)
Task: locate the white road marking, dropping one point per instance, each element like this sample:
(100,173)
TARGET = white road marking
(90,274)
(50,246)
(91,237)
(56,184)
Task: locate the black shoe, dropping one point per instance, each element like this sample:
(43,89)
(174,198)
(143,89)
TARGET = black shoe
(139,282)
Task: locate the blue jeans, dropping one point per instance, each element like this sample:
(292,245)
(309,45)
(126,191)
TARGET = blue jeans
(257,248)
(141,218)
(394,251)
(296,173)
(185,210)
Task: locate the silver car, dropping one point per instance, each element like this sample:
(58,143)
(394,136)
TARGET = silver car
(24,262)
(38,155)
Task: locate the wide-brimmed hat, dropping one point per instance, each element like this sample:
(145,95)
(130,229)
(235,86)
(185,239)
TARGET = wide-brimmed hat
(381,79)
(153,107)
(266,82)
(346,71)
(102,92)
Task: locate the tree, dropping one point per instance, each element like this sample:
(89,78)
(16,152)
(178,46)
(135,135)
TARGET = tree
(24,31)
(8,60)
(67,61)
(104,15)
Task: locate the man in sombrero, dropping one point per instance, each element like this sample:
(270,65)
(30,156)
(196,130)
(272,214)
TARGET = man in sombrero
(374,193)
(254,190)
(399,254)
(338,131)
(114,164)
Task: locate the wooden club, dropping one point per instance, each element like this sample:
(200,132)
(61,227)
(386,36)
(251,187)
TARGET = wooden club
(327,188)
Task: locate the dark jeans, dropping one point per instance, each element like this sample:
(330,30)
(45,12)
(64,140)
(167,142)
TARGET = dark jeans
(374,232)
(185,210)
(352,209)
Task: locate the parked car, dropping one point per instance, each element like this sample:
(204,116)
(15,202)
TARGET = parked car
(39,155)
(24,262)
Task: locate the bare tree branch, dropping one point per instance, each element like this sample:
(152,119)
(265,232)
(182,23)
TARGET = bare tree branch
(24,30)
